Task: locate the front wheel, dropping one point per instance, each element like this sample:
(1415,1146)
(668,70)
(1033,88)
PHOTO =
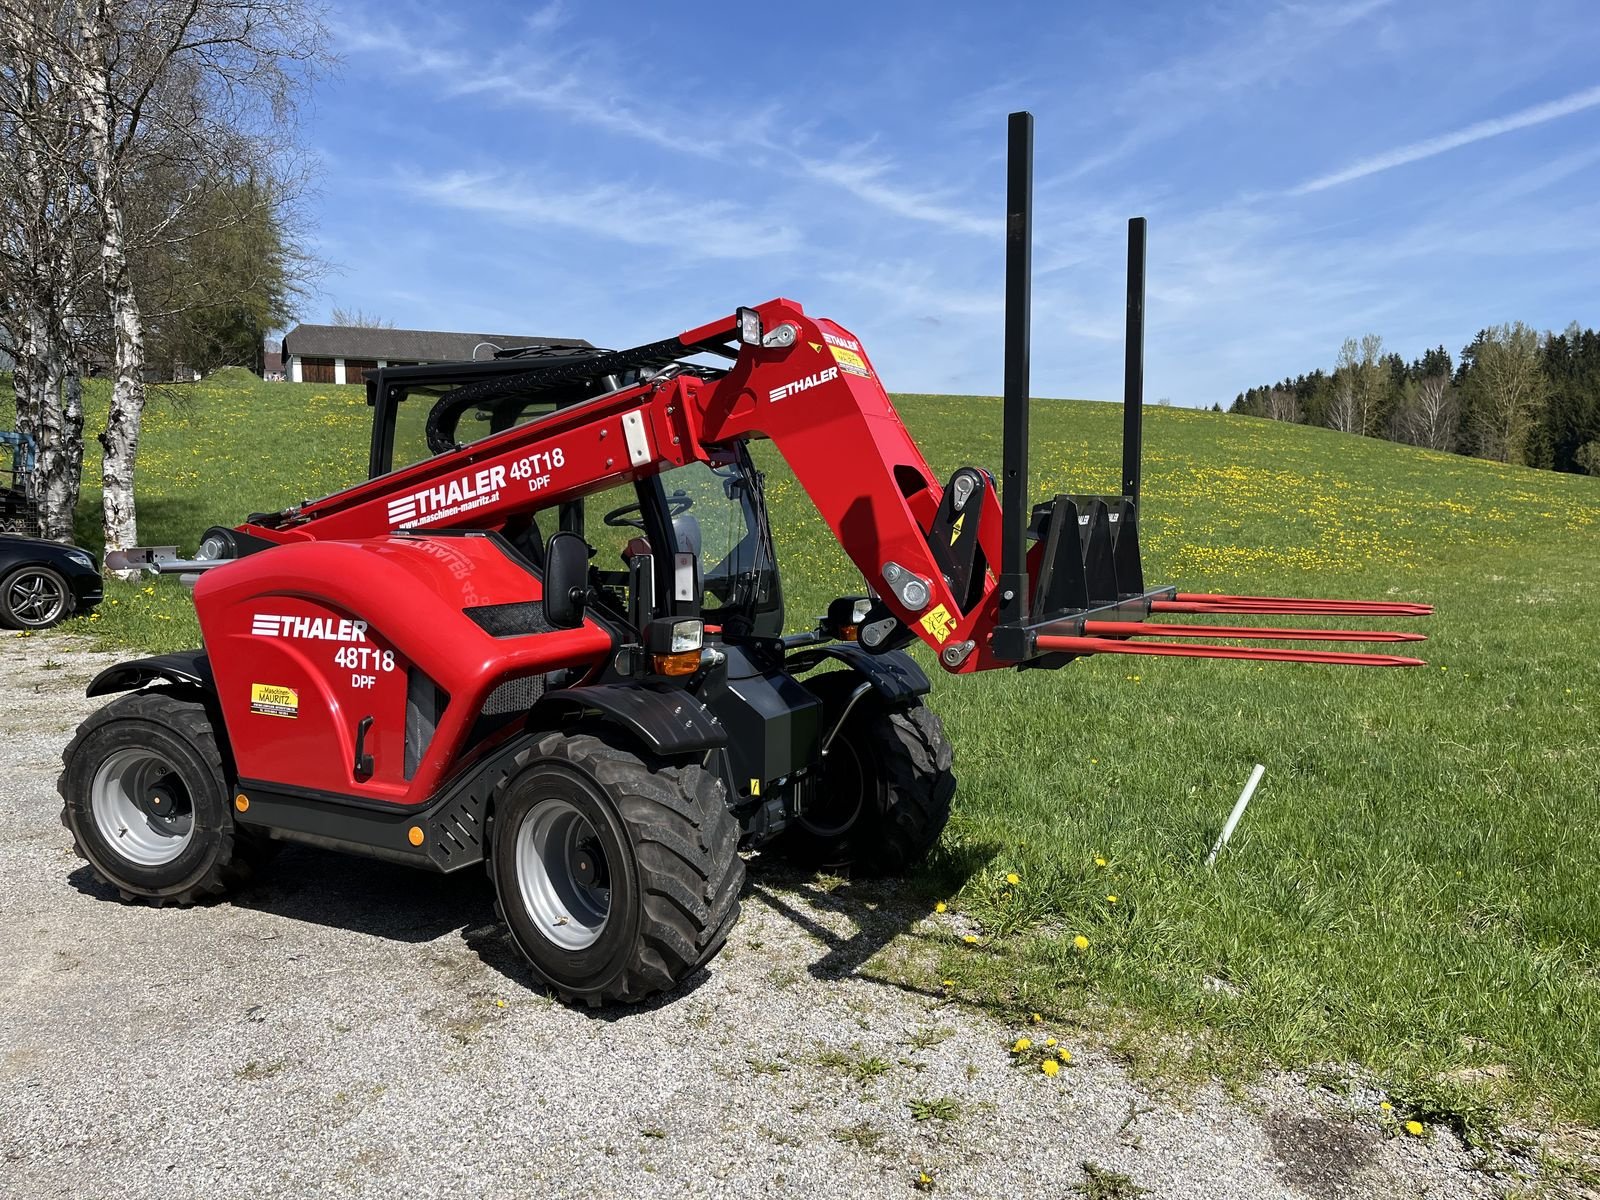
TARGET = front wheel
(145,795)
(884,796)
(618,874)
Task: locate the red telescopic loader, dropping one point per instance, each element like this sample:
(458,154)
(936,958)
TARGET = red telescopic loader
(554,647)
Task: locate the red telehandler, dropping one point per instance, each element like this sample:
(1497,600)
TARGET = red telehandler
(555,644)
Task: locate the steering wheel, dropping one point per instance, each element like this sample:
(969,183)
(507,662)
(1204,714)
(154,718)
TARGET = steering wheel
(619,518)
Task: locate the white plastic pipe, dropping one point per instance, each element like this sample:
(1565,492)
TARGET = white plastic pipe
(1238,811)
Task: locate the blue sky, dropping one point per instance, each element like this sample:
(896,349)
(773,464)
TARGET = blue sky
(1311,171)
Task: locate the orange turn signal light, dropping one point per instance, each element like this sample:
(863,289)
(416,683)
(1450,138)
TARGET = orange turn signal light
(685,663)
(850,633)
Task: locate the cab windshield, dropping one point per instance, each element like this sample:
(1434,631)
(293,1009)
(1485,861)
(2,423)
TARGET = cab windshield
(717,516)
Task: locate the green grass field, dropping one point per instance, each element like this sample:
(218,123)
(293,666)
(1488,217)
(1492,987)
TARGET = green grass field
(1416,886)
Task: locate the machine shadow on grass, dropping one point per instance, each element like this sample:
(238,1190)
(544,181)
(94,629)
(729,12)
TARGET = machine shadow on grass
(881,910)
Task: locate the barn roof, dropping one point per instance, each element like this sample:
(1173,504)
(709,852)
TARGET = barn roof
(405,345)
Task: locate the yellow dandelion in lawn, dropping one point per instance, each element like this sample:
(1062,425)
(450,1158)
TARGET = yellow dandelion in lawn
(970,939)
(1065,1056)
(1100,862)
(948,983)
(1112,898)
(1050,1066)
(1013,879)
(1414,1128)
(1021,1044)
(1080,943)
(1386,1106)
(1049,1042)
(1036,1018)
(941,907)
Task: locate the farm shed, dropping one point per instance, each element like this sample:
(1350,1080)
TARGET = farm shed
(339,353)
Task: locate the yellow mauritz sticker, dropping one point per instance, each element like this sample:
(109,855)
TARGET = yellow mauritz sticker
(940,624)
(270,700)
(850,361)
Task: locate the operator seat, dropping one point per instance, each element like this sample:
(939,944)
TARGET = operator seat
(686,531)
(527,540)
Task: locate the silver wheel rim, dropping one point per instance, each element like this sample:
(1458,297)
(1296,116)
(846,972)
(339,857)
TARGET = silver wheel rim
(123,779)
(36,598)
(555,842)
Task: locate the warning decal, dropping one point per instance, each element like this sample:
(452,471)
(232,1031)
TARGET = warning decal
(940,624)
(270,700)
(851,362)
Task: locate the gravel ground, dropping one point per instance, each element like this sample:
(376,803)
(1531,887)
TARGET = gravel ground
(348,1028)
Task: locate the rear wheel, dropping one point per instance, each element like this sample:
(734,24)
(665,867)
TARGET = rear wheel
(145,796)
(617,873)
(34,597)
(884,797)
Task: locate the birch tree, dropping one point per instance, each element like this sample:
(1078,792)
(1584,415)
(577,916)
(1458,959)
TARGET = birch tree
(209,83)
(1508,385)
(1343,406)
(1432,413)
(44,269)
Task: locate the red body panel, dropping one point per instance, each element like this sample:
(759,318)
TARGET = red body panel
(337,624)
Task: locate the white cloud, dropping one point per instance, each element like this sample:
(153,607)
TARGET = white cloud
(1482,130)
(627,213)
(868,181)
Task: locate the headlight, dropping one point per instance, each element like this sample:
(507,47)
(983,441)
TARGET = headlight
(687,636)
(82,558)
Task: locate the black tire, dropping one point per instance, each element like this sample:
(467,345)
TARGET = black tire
(886,786)
(163,729)
(666,845)
(24,590)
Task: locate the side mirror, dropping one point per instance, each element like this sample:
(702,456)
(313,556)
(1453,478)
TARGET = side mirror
(566,579)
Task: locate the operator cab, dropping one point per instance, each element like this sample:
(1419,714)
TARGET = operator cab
(713,511)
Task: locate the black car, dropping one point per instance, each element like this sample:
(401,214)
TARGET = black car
(44,582)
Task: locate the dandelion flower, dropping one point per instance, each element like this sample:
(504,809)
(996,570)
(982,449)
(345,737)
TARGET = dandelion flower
(949,982)
(1037,1018)
(1064,1055)
(1080,943)
(1049,1042)
(1050,1066)
(1021,1044)
(970,939)
(941,907)
(1112,898)
(1099,861)
(1414,1128)
(1013,879)
(1386,1106)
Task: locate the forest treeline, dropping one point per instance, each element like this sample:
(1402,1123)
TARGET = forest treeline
(1512,395)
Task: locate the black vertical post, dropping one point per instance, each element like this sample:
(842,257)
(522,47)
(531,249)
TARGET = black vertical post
(1133,367)
(1019,315)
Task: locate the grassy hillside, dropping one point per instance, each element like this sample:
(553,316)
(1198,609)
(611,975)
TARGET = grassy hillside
(1417,884)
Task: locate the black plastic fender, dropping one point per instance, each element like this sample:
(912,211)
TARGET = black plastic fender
(667,720)
(894,675)
(189,668)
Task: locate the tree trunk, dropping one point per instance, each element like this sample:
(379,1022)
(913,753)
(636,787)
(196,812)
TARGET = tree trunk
(120,438)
